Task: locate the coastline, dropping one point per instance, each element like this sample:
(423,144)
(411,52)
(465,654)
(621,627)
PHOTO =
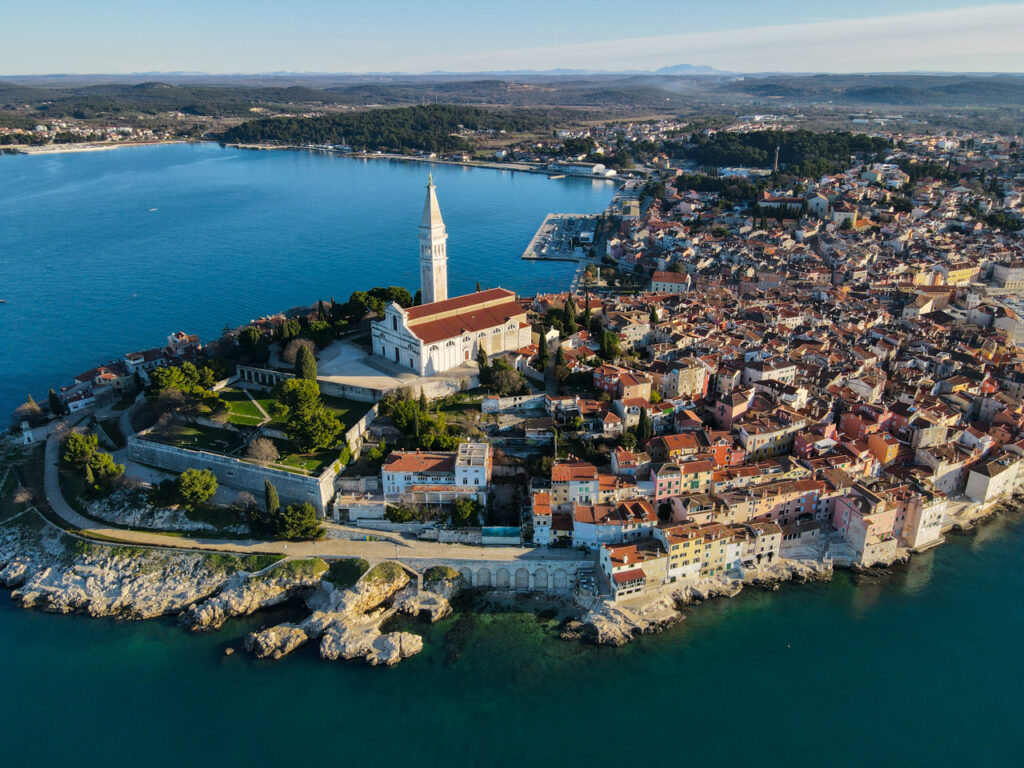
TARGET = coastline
(60,149)
(495,166)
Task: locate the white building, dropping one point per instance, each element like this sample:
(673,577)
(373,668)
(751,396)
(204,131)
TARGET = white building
(437,477)
(442,333)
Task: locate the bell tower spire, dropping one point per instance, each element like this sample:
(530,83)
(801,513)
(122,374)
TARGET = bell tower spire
(433,250)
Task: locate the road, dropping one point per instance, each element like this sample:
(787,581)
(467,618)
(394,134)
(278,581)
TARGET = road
(395,548)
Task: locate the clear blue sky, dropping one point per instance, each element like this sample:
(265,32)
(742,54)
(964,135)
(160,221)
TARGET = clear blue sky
(113,36)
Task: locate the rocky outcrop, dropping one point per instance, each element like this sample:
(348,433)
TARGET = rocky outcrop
(348,621)
(62,574)
(131,508)
(608,623)
(249,593)
(426,605)
(275,642)
(799,571)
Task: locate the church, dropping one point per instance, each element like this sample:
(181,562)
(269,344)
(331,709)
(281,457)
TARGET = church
(442,333)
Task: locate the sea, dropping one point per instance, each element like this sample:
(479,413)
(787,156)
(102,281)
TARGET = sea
(915,667)
(103,253)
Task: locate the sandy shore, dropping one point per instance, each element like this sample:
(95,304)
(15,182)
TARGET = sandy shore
(54,149)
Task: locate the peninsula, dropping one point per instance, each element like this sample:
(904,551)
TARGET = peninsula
(803,356)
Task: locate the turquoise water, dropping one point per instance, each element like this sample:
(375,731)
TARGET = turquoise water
(918,668)
(90,271)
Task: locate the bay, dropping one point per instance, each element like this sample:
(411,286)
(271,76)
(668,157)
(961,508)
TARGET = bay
(103,253)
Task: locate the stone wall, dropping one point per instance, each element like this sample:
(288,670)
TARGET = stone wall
(559,576)
(233,473)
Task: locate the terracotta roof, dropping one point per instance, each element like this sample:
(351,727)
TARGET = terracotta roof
(458,303)
(402,461)
(472,319)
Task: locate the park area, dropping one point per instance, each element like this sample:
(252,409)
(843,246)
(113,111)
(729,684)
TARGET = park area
(196,437)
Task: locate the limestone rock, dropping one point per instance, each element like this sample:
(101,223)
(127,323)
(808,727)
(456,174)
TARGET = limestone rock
(275,642)
(243,596)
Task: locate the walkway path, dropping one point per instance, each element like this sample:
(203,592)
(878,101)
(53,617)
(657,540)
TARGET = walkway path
(372,551)
(266,416)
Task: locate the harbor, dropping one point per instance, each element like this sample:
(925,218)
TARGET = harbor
(564,237)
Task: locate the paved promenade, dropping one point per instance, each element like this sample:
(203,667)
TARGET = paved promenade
(394,547)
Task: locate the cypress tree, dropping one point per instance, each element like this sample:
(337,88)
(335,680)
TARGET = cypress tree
(478,286)
(586,309)
(542,351)
(270,499)
(643,428)
(305,364)
(55,405)
(423,400)
(321,313)
(90,477)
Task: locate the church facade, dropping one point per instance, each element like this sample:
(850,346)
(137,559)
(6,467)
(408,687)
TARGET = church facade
(442,333)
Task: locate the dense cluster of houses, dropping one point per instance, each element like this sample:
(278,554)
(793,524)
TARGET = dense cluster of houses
(848,375)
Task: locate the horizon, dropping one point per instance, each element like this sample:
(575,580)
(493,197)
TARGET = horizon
(452,37)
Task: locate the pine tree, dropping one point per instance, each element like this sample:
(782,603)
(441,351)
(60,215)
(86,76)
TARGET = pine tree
(305,364)
(270,498)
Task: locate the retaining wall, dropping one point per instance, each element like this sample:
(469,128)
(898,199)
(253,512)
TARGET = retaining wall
(240,475)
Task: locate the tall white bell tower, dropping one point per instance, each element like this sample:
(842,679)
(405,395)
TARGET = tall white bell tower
(433,251)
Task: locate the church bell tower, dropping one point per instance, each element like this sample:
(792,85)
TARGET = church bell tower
(433,251)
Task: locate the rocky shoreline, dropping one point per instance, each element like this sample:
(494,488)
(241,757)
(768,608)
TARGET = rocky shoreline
(55,571)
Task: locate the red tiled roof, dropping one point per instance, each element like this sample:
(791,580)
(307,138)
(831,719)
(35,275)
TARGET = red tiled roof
(459,302)
(472,319)
(402,461)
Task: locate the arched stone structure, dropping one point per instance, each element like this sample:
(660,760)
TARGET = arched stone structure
(522,579)
(501,579)
(540,579)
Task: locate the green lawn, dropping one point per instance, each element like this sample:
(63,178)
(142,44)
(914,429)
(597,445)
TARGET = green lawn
(305,463)
(347,411)
(197,438)
(241,410)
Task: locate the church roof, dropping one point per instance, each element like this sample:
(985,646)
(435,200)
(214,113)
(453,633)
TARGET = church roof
(431,210)
(458,303)
(470,313)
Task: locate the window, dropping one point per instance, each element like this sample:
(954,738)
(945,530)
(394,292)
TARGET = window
(394,323)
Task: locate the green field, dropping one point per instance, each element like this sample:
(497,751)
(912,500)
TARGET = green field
(241,410)
(197,438)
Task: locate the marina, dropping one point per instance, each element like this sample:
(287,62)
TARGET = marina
(564,237)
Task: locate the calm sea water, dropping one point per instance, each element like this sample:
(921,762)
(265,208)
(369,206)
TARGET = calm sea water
(103,253)
(917,668)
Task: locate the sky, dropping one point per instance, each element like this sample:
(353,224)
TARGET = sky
(256,36)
